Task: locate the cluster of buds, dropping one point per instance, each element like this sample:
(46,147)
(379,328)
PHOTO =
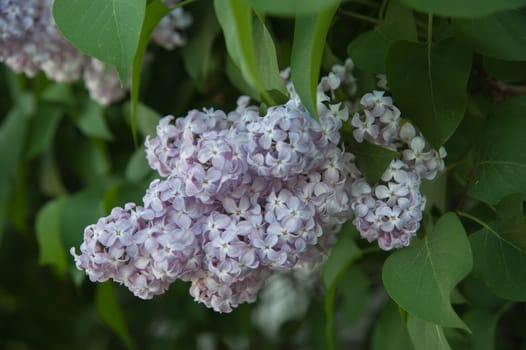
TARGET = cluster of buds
(31,42)
(241,197)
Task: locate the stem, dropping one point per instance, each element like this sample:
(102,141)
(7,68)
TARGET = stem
(365,3)
(507,88)
(360,17)
(370,250)
(475,219)
(183,3)
(429,36)
(382,9)
(452,166)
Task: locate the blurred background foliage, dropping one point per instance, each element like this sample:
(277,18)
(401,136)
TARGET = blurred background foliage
(65,161)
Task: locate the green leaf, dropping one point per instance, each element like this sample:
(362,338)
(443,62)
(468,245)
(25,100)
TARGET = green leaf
(480,296)
(236,20)
(95,164)
(111,313)
(483,325)
(292,7)
(426,335)
(80,210)
(137,168)
(389,332)
(47,227)
(499,264)
(121,193)
(507,71)
(106,29)
(147,118)
(502,146)
(13,134)
(420,278)
(341,256)
(510,208)
(197,53)
(457,297)
(17,210)
(59,93)
(236,78)
(496,179)
(435,192)
(429,84)
(42,129)
(50,181)
(464,8)
(372,160)
(500,35)
(456,338)
(155,11)
(310,32)
(266,57)
(354,290)
(511,223)
(369,50)
(91,121)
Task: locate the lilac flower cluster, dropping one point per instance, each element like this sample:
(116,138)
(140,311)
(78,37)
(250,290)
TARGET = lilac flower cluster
(242,196)
(169,33)
(391,210)
(31,42)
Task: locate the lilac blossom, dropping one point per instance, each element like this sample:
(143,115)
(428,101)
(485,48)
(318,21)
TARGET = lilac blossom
(240,196)
(170,31)
(390,211)
(30,41)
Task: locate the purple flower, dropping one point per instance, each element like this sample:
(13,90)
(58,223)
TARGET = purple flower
(364,125)
(243,196)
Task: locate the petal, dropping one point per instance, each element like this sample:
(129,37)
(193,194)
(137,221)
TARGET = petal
(382,192)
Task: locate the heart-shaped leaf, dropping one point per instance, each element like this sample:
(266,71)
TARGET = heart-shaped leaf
(483,324)
(369,50)
(51,250)
(502,167)
(425,335)
(429,84)
(106,29)
(390,332)
(80,210)
(420,278)
(499,264)
(500,35)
